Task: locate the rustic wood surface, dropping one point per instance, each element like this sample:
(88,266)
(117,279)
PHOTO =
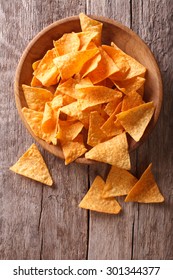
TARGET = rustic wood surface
(38,222)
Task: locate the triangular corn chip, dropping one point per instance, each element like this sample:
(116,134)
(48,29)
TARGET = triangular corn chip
(119,182)
(90,65)
(106,67)
(113,151)
(94,95)
(68,130)
(131,100)
(93,200)
(36,97)
(46,71)
(136,69)
(135,120)
(71,63)
(34,120)
(35,82)
(86,38)
(111,106)
(31,164)
(73,149)
(49,119)
(88,24)
(133,84)
(69,42)
(146,189)
(95,134)
(35,64)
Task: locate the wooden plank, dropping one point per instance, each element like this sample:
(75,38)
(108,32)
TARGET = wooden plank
(110,237)
(35,221)
(154,223)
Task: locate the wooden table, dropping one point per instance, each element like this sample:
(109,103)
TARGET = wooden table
(38,222)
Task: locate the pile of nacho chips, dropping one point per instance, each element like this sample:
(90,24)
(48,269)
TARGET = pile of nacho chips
(86,97)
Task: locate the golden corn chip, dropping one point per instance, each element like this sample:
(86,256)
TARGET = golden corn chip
(46,71)
(73,149)
(133,84)
(146,189)
(131,100)
(90,65)
(110,128)
(84,82)
(113,151)
(68,88)
(35,64)
(49,119)
(57,102)
(71,63)
(68,130)
(120,61)
(35,82)
(94,95)
(136,69)
(69,42)
(34,120)
(106,67)
(93,200)
(36,97)
(119,182)
(111,106)
(88,24)
(135,120)
(70,109)
(31,164)
(86,38)
(95,134)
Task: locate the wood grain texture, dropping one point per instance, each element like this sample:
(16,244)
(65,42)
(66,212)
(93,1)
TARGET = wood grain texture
(38,222)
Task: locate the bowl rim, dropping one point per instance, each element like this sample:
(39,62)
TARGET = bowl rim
(46,29)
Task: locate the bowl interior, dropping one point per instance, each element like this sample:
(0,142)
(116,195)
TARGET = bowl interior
(113,31)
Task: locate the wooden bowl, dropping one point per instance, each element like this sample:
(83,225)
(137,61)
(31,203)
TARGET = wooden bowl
(125,38)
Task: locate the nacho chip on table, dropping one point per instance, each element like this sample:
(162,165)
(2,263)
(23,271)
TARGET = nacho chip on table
(31,164)
(135,120)
(93,200)
(146,189)
(119,182)
(36,97)
(113,151)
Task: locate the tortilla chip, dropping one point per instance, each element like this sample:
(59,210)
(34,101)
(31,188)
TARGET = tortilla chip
(135,120)
(95,134)
(119,182)
(120,61)
(113,151)
(111,106)
(69,42)
(73,149)
(46,72)
(88,24)
(136,69)
(71,63)
(35,82)
(35,64)
(146,189)
(109,127)
(31,164)
(86,38)
(133,84)
(49,119)
(36,97)
(106,67)
(57,102)
(94,95)
(90,65)
(68,88)
(93,200)
(68,130)
(34,120)
(131,100)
